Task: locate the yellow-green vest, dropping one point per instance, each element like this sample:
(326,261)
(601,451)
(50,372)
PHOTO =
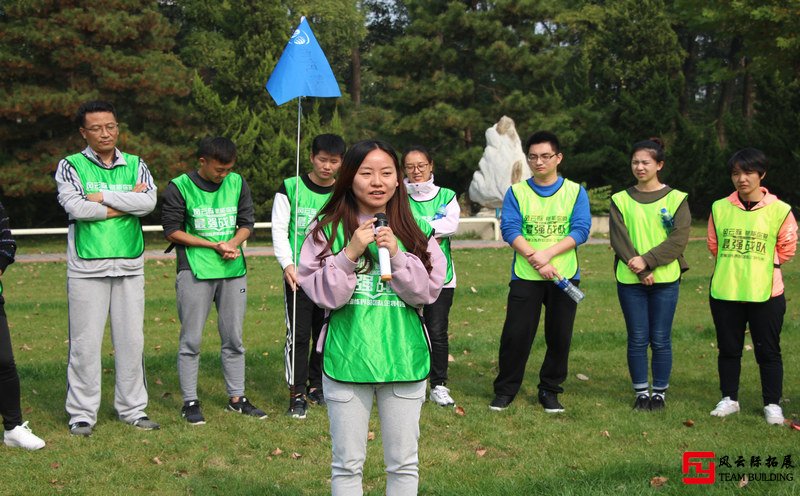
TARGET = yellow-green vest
(375,337)
(746,250)
(646,230)
(117,237)
(212,215)
(546,221)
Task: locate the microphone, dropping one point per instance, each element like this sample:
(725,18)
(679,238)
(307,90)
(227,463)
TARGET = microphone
(383,252)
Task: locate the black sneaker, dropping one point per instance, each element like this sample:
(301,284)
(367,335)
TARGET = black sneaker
(244,407)
(549,401)
(657,402)
(315,397)
(297,407)
(80,429)
(642,403)
(500,402)
(192,413)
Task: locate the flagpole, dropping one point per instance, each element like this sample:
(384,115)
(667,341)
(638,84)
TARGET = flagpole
(294,247)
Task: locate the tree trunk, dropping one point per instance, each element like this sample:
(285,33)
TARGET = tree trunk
(689,76)
(355,84)
(726,92)
(748,93)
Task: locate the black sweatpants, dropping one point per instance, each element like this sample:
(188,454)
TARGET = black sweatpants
(307,362)
(525,300)
(9,379)
(437,318)
(765,320)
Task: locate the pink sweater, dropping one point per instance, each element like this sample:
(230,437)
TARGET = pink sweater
(787,237)
(330,282)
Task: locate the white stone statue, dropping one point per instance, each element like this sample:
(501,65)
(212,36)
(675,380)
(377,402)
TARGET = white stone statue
(503,164)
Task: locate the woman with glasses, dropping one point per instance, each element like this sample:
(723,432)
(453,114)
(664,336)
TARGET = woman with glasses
(649,228)
(438,207)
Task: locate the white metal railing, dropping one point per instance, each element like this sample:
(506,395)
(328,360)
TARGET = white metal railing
(258,225)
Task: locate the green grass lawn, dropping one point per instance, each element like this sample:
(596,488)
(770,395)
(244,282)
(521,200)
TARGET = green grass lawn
(598,446)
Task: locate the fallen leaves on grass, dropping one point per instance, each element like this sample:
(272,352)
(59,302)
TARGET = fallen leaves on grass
(450,358)
(55,465)
(371,436)
(480,451)
(658,481)
(157,460)
(459,411)
(277,452)
(582,377)
(472,288)
(605,434)
(688,423)
(295,456)
(744,481)
(182,473)
(158,381)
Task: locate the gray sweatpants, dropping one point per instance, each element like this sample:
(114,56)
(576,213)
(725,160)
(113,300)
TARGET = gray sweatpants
(91,301)
(194,297)
(349,408)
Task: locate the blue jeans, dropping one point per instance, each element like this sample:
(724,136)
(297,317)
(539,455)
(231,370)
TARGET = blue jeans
(648,312)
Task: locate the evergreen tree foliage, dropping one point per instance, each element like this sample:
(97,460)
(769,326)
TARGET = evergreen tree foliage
(56,55)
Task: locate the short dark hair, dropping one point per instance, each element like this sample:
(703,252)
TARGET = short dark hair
(220,149)
(543,137)
(93,106)
(653,145)
(748,160)
(330,143)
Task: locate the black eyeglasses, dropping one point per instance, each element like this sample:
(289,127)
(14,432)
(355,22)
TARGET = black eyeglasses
(533,158)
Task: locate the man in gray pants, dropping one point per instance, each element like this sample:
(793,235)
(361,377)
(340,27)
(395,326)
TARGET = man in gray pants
(105,191)
(208,214)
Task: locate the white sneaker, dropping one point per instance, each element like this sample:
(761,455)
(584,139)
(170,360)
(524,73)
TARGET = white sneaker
(441,396)
(774,414)
(22,437)
(725,407)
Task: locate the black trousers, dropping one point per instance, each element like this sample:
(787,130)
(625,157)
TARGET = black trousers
(437,318)
(309,319)
(765,320)
(525,300)
(9,379)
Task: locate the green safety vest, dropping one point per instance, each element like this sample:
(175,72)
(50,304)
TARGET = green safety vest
(118,237)
(746,250)
(375,337)
(645,228)
(212,216)
(433,209)
(309,204)
(546,221)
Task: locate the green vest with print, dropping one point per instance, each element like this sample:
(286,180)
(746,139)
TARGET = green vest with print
(212,216)
(546,221)
(375,337)
(117,237)
(745,250)
(645,228)
(433,209)
(309,204)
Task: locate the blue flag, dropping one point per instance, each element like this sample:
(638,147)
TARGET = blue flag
(302,69)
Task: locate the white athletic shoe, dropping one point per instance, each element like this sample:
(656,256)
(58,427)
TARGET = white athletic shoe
(774,414)
(22,437)
(441,396)
(725,407)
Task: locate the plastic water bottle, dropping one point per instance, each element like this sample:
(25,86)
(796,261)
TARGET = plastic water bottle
(572,291)
(667,221)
